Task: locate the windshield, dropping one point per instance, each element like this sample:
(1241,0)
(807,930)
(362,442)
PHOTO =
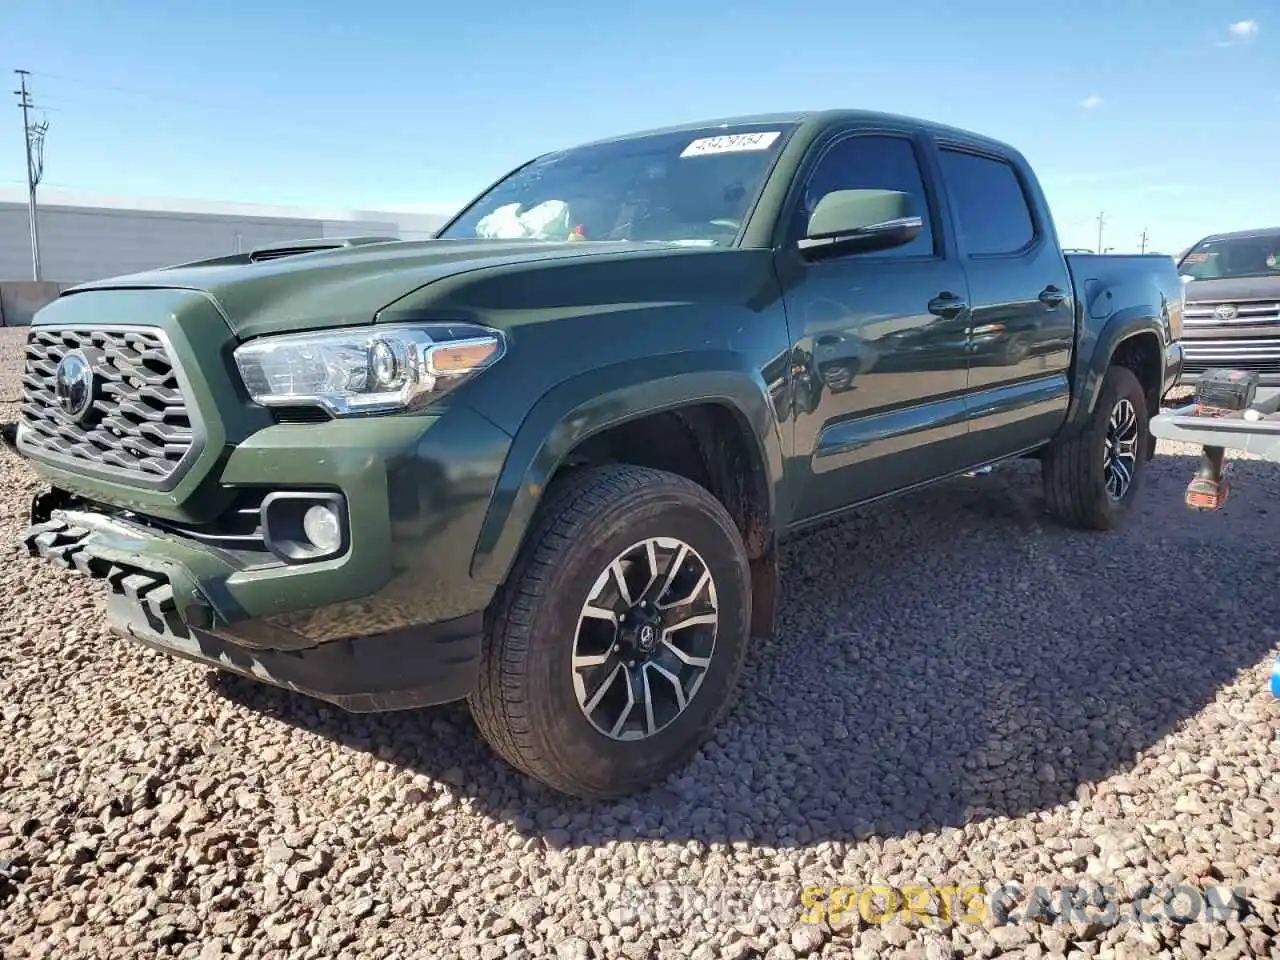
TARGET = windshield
(1255,256)
(691,187)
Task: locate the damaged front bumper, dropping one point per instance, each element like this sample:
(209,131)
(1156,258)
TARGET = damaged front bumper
(172,596)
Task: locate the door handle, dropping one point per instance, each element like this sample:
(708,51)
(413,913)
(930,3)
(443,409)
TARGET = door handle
(1051,296)
(947,305)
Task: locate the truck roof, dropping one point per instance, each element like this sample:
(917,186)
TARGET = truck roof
(815,117)
(1237,234)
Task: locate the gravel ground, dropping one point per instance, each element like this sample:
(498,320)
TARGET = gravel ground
(973,696)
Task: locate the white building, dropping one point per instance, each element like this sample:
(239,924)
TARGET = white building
(90,236)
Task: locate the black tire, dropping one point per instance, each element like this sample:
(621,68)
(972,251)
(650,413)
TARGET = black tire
(525,703)
(1073,470)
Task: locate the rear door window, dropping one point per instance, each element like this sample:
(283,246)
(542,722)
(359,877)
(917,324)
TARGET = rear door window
(992,213)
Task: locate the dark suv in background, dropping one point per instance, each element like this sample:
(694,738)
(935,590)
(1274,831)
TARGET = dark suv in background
(1232,316)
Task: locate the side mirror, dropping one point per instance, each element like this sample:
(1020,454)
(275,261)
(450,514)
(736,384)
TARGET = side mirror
(860,221)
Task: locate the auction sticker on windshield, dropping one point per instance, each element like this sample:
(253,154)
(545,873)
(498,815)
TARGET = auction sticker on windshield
(731,143)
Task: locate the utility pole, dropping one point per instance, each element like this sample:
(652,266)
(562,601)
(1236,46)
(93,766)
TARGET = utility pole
(1144,239)
(1101,220)
(33,138)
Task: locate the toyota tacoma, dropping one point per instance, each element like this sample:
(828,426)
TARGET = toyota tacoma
(544,460)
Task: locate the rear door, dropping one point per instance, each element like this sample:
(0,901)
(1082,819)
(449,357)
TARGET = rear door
(1022,314)
(880,339)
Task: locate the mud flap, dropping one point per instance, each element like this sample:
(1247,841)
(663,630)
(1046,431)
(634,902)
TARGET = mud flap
(764,594)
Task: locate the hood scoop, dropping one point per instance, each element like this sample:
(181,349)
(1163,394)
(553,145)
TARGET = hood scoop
(292,248)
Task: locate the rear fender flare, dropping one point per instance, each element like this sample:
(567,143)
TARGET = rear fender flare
(600,399)
(1094,354)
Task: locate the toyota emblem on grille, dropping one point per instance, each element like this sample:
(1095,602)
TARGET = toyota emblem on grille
(73,385)
(1228,311)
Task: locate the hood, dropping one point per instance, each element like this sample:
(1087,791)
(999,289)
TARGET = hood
(1233,289)
(343,286)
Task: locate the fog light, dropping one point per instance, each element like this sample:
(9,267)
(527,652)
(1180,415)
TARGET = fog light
(323,527)
(303,527)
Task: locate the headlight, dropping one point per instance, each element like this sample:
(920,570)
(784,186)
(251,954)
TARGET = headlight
(366,369)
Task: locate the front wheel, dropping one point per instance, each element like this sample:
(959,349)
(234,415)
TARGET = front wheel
(1092,477)
(617,643)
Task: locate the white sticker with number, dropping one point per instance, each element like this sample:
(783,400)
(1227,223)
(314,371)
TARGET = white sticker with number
(731,143)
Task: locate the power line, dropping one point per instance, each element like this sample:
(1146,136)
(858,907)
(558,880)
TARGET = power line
(185,124)
(129,91)
(51,183)
(33,137)
(188,121)
(100,94)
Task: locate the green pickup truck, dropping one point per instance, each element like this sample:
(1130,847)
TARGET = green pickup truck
(544,461)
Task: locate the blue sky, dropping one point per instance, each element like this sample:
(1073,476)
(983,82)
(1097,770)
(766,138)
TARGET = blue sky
(1164,115)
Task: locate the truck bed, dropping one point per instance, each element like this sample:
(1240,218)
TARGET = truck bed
(1103,280)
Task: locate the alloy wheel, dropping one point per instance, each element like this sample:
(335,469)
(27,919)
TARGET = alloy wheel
(645,638)
(1120,454)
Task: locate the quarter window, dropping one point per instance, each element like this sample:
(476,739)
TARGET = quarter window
(866,162)
(991,208)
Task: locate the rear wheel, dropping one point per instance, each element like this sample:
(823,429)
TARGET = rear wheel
(1092,477)
(617,643)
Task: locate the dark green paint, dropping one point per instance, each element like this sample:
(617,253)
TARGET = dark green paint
(346,286)
(850,384)
(593,402)
(1116,305)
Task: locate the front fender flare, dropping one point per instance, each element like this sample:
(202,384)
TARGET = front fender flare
(592,402)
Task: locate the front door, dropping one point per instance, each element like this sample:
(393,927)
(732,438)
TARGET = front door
(881,339)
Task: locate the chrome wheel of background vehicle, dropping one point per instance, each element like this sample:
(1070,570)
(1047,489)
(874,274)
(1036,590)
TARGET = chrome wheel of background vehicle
(1120,455)
(645,638)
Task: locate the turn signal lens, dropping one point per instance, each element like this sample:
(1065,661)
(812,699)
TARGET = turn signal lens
(449,359)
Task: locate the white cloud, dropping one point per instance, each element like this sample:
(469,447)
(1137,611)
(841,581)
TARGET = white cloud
(1244,29)
(1091,101)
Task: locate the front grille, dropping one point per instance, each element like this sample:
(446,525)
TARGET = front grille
(1246,312)
(137,423)
(1262,356)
